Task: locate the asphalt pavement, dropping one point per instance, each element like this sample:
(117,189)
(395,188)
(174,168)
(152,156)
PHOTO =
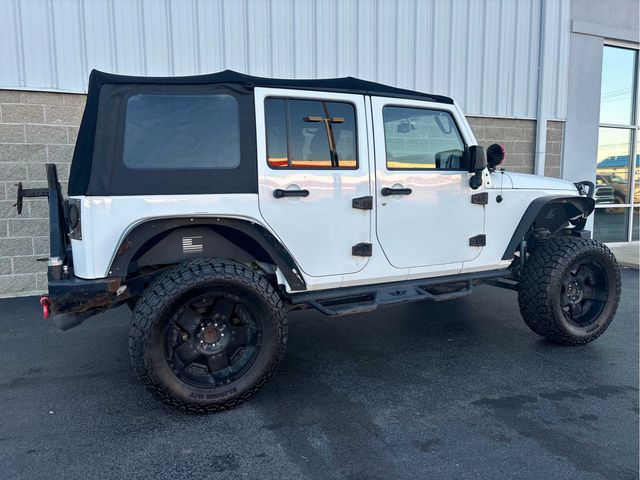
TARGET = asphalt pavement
(452,390)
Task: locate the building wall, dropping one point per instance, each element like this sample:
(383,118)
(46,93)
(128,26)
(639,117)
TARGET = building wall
(553,156)
(484,53)
(40,127)
(592,23)
(35,128)
(518,138)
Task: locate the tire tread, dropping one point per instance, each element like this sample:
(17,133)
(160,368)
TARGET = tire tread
(544,269)
(164,291)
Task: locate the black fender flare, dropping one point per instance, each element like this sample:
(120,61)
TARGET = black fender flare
(142,234)
(553,212)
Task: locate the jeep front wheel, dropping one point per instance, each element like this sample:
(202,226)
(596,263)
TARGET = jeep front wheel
(207,335)
(569,290)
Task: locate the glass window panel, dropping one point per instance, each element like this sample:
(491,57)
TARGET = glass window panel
(172,132)
(612,168)
(610,224)
(310,134)
(636,189)
(422,139)
(344,132)
(618,71)
(308,141)
(276,126)
(636,194)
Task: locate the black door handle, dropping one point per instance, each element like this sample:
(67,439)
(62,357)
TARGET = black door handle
(386,191)
(279,193)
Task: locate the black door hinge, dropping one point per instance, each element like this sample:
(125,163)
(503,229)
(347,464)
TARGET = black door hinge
(478,240)
(361,250)
(480,198)
(363,203)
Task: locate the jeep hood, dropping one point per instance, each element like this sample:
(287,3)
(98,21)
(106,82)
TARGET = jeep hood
(537,182)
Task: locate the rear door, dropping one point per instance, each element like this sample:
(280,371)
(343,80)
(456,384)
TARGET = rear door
(312,162)
(424,212)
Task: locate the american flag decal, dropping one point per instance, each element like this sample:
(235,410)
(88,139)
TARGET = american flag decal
(192,244)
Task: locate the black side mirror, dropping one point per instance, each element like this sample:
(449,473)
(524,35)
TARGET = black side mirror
(477,163)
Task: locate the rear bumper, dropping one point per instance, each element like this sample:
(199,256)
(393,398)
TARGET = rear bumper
(74,295)
(74,299)
(71,299)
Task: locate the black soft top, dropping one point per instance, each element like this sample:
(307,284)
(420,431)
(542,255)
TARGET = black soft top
(97,168)
(343,85)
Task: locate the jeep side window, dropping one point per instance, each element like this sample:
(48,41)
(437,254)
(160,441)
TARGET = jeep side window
(422,139)
(181,132)
(310,134)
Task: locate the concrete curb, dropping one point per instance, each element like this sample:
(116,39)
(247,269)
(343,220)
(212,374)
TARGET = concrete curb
(628,256)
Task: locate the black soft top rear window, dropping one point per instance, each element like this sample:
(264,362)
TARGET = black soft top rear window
(168,139)
(175,132)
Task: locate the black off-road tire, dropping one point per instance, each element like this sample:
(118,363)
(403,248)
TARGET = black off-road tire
(542,289)
(131,303)
(159,304)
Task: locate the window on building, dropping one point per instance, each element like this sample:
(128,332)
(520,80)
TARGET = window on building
(420,139)
(617,167)
(310,134)
(181,132)
(635,219)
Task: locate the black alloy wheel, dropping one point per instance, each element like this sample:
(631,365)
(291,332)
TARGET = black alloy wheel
(212,340)
(585,289)
(569,289)
(207,335)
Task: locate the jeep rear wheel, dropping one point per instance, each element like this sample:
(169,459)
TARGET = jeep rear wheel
(569,290)
(207,335)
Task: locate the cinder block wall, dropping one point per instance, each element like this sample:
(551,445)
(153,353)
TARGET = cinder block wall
(41,127)
(35,128)
(553,157)
(518,137)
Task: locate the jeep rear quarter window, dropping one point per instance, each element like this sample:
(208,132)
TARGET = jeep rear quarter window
(179,132)
(310,134)
(422,139)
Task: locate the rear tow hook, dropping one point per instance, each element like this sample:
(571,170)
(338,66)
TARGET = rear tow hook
(45,302)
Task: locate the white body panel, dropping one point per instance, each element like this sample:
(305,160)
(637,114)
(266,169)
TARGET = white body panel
(424,237)
(501,219)
(107,220)
(320,229)
(532,182)
(417,230)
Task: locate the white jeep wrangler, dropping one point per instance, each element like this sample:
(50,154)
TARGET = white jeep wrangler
(213,205)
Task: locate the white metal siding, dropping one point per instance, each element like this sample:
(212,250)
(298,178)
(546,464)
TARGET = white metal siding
(484,53)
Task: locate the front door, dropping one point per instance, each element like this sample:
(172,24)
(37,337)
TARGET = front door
(312,162)
(424,212)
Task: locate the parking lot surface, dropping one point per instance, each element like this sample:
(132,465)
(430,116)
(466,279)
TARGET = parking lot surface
(451,390)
